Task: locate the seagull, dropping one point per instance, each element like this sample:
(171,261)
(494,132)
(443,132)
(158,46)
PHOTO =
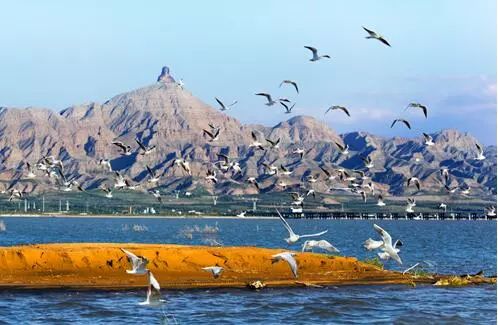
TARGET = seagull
(288,109)
(215,270)
(290,82)
(293,237)
(410,203)
(387,246)
(380,201)
(126,148)
(53,162)
(403,121)
(374,35)
(465,190)
(417,105)
(312,179)
(236,168)
(343,149)
(336,107)
(330,175)
(371,244)
(180,84)
(138,263)
(414,180)
(287,257)
(107,191)
(211,176)
(368,162)
(15,193)
(131,186)
(156,194)
(270,101)
(145,150)
(272,169)
(105,163)
(252,180)
(30,173)
(212,135)
(298,198)
(385,256)
(491,211)
(445,174)
(242,214)
(223,106)
(299,151)
(255,142)
(443,206)
(428,141)
(153,292)
(284,171)
(322,244)
(316,57)
(273,144)
(119,181)
(153,177)
(480,153)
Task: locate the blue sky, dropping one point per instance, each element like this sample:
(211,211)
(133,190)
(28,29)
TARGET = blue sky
(443,55)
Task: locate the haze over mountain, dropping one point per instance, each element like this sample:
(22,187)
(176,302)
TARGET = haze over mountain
(170,117)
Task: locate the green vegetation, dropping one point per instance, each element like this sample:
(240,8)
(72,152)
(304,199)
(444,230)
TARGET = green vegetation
(374,261)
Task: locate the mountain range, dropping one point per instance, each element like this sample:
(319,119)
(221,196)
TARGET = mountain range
(168,116)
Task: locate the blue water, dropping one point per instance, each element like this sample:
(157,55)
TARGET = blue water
(440,246)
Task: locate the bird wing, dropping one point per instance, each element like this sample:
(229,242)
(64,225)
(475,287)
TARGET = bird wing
(286,225)
(312,49)
(141,145)
(208,133)
(220,103)
(151,172)
(383,40)
(398,243)
(284,105)
(386,238)
(424,109)
(270,142)
(314,235)
(345,110)
(268,96)
(394,122)
(479,148)
(339,146)
(407,124)
(371,32)
(291,261)
(153,282)
(134,258)
(119,144)
(325,171)
(253,135)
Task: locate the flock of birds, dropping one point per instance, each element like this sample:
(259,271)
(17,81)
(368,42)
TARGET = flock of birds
(354,181)
(388,251)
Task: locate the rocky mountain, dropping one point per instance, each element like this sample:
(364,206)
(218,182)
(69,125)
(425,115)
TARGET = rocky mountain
(171,118)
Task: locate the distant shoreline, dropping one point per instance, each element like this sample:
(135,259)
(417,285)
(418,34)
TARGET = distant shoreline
(127,216)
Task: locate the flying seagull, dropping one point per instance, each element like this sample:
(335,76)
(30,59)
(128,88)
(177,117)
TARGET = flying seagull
(374,35)
(223,106)
(252,180)
(255,142)
(211,176)
(126,148)
(367,161)
(371,244)
(380,201)
(138,263)
(388,247)
(428,141)
(316,57)
(290,82)
(415,181)
(418,105)
(145,150)
(153,292)
(330,175)
(385,256)
(322,244)
(287,257)
(402,121)
(480,152)
(108,192)
(288,109)
(336,107)
(270,101)
(213,136)
(156,194)
(343,149)
(105,163)
(274,144)
(293,237)
(154,178)
(30,173)
(214,270)
(119,181)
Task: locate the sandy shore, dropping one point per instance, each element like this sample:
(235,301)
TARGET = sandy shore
(89,265)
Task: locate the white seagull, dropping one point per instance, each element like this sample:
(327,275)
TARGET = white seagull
(138,263)
(322,244)
(214,270)
(418,105)
(145,149)
(343,149)
(223,106)
(154,178)
(290,82)
(388,246)
(30,173)
(270,101)
(125,148)
(374,35)
(480,153)
(288,109)
(316,57)
(337,107)
(153,292)
(293,237)
(287,257)
(380,201)
(255,142)
(105,163)
(428,141)
(385,256)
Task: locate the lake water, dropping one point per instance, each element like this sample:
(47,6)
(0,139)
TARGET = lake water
(440,246)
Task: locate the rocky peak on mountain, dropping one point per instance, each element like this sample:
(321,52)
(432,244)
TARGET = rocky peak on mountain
(165,76)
